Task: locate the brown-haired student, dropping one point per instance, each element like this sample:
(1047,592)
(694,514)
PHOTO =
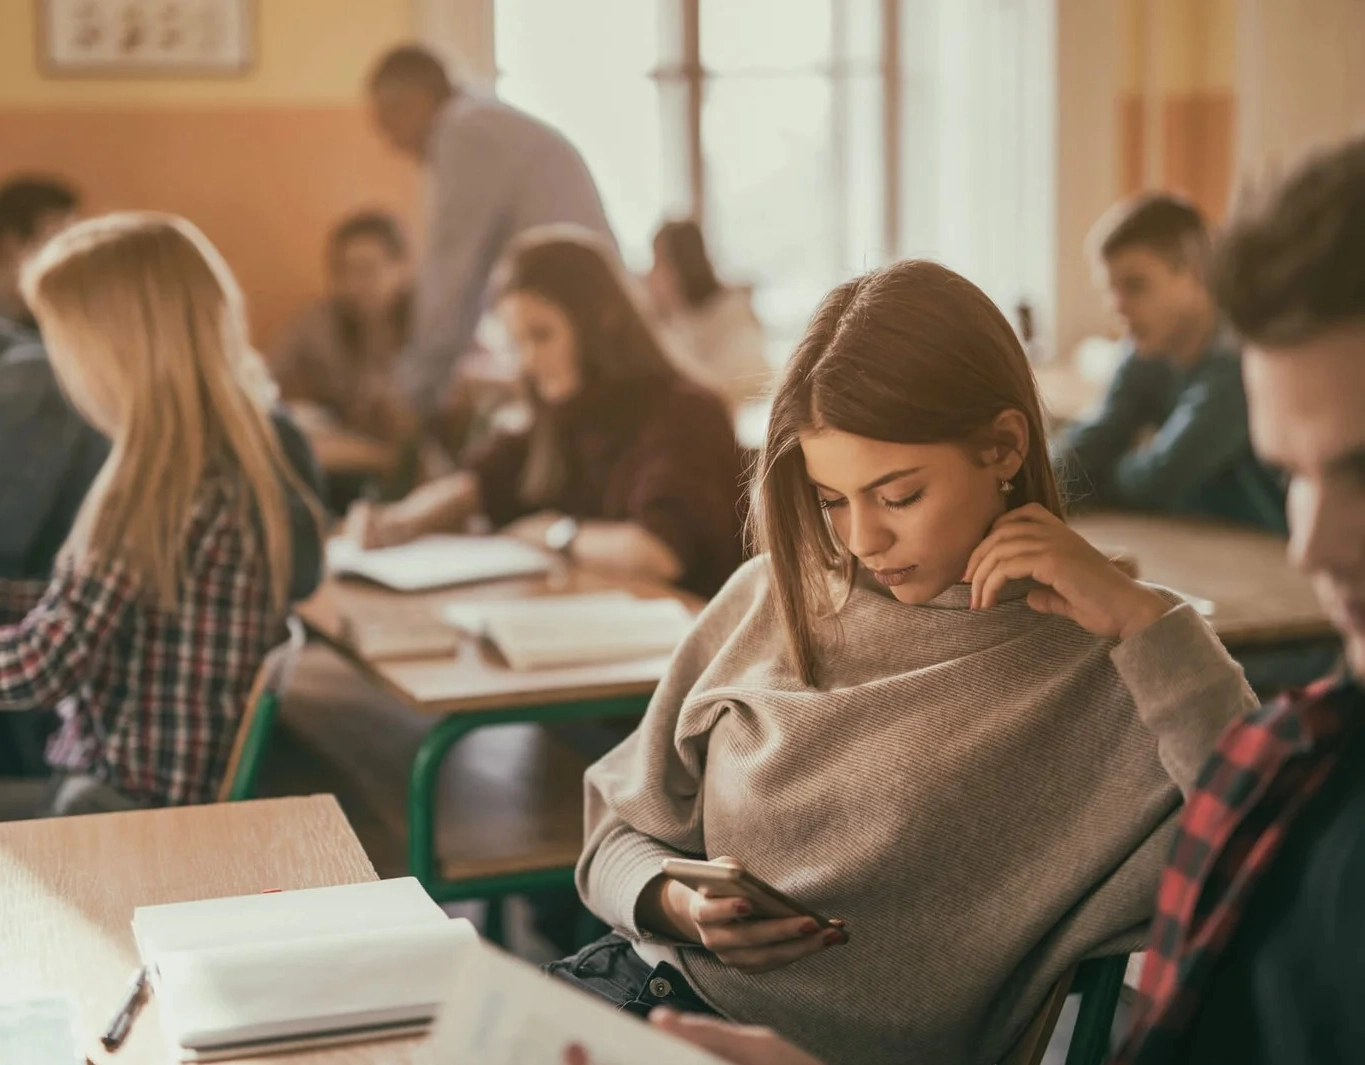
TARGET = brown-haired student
(1172,432)
(339,354)
(627,466)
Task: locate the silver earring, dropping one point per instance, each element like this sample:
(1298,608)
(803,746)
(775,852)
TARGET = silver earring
(1006,487)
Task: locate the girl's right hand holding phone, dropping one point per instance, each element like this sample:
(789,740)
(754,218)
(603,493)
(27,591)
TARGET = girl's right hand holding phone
(725,926)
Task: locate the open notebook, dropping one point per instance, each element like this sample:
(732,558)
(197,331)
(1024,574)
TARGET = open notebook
(502,1011)
(437,561)
(255,974)
(550,632)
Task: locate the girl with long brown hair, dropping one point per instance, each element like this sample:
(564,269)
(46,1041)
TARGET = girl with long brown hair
(932,711)
(627,465)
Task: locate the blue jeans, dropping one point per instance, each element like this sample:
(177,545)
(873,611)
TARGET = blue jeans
(611,969)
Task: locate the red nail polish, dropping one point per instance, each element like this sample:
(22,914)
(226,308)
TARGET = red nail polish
(809,928)
(743,909)
(833,937)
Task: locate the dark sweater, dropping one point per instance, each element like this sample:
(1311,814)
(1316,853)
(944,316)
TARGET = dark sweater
(661,454)
(1200,460)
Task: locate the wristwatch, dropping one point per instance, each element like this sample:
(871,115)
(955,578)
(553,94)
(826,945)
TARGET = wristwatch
(561,535)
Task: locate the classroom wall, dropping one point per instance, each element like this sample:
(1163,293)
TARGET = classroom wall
(263,162)
(1300,78)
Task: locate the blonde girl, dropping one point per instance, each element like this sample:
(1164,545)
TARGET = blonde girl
(176,576)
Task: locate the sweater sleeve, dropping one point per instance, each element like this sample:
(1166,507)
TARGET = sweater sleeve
(643,800)
(1186,686)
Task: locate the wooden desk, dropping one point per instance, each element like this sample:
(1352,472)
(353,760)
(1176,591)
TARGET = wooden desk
(1259,598)
(473,689)
(68,887)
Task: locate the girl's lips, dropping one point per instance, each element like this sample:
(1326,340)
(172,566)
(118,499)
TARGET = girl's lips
(889,578)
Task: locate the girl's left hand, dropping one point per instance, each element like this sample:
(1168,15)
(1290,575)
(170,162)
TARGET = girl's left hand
(1079,582)
(531,530)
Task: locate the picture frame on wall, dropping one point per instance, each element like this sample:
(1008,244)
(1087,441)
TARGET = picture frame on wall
(146,37)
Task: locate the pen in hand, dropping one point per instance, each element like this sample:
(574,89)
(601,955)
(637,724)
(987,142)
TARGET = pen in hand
(118,1029)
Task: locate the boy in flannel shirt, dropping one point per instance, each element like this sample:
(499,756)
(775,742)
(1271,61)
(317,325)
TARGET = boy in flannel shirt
(1258,948)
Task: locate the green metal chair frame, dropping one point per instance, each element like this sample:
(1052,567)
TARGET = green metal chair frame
(258,717)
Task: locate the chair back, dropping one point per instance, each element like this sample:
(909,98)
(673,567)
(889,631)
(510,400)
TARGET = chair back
(258,716)
(1098,982)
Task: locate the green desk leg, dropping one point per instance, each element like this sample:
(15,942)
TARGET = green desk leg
(424,784)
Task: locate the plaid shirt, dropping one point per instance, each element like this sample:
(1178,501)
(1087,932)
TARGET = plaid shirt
(1265,770)
(149,698)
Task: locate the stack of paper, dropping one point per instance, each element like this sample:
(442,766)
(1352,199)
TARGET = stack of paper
(243,976)
(437,561)
(549,632)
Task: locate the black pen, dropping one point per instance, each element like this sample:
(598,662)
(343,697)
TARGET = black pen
(119,1027)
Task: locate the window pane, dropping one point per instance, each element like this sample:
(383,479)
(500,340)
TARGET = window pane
(764,34)
(771,194)
(864,168)
(555,62)
(860,33)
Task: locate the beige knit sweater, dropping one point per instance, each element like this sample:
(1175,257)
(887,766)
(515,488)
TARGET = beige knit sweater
(985,797)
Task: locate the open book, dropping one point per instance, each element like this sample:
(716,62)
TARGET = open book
(255,974)
(437,561)
(549,632)
(502,1011)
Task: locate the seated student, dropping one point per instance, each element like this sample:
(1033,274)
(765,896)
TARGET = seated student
(711,330)
(627,466)
(932,710)
(1172,432)
(339,355)
(1258,948)
(175,578)
(32,210)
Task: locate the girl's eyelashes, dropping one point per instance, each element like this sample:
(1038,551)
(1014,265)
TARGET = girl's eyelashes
(901,504)
(890,504)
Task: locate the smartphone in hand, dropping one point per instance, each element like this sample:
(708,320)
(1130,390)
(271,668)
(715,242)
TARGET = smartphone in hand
(727,878)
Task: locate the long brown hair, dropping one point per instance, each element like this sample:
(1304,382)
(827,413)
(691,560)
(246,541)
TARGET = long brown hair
(577,272)
(684,247)
(911,354)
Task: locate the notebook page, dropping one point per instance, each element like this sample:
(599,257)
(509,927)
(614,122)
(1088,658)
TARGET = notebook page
(502,1011)
(282,916)
(472,616)
(38,1032)
(600,633)
(437,561)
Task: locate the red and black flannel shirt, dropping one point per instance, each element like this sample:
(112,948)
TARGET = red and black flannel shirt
(1262,775)
(149,698)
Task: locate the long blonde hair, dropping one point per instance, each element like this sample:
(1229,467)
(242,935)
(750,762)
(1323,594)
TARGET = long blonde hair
(146,331)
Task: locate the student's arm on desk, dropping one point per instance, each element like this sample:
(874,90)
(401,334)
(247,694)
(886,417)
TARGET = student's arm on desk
(1205,432)
(47,655)
(1090,451)
(621,547)
(443,505)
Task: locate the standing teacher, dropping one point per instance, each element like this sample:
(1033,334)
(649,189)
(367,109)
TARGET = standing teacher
(494,172)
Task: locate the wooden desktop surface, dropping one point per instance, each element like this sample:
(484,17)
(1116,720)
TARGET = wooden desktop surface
(1258,596)
(475,678)
(68,887)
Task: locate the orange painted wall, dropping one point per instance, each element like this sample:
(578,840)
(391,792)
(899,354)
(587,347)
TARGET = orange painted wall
(265,164)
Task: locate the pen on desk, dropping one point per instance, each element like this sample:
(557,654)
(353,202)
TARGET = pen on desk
(119,1027)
